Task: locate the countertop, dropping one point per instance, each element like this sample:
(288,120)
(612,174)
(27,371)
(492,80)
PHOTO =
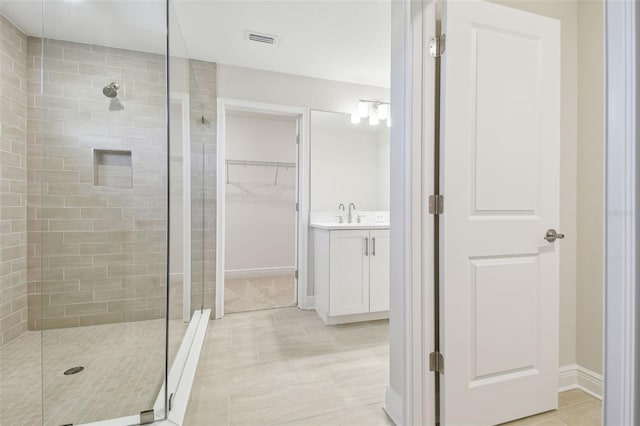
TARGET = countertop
(333,226)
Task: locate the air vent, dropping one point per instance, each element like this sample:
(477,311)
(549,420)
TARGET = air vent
(261,38)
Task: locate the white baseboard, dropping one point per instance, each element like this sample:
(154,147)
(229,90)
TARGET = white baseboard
(577,377)
(258,272)
(308,302)
(393,406)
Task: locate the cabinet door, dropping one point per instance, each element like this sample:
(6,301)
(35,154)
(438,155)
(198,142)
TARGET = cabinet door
(379,271)
(349,272)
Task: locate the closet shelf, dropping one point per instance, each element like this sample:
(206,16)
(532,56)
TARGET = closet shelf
(260,163)
(275,164)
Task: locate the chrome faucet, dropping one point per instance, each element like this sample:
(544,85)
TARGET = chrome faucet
(350,210)
(340,215)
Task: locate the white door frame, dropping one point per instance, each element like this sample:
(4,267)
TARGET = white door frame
(183,100)
(621,369)
(410,396)
(227,104)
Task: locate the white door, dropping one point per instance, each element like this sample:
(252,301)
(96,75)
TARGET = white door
(379,262)
(349,272)
(500,150)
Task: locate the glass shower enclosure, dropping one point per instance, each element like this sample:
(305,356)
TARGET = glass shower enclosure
(105,203)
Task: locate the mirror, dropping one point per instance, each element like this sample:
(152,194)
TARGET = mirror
(349,163)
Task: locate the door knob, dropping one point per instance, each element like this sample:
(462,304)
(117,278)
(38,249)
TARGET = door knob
(552,235)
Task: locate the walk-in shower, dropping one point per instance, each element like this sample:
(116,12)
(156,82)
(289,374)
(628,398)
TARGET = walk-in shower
(106,277)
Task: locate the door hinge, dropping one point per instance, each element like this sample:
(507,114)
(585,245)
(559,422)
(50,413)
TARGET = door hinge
(436,204)
(170,402)
(436,46)
(297,206)
(436,362)
(298,139)
(296,274)
(147,417)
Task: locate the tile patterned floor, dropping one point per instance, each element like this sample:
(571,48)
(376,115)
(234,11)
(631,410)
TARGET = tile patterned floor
(124,367)
(576,408)
(284,367)
(252,294)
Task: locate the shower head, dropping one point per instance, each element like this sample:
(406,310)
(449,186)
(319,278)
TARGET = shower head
(111,90)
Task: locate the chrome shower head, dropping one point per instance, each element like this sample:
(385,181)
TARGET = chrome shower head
(111,90)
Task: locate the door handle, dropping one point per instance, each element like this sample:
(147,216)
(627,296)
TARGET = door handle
(366,246)
(373,246)
(552,235)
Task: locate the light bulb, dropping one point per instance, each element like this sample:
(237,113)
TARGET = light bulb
(355,118)
(363,109)
(373,120)
(383,111)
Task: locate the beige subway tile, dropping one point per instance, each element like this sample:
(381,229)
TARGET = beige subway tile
(99,319)
(114,294)
(98,284)
(127,305)
(85,308)
(70,297)
(55,322)
(85,273)
(70,225)
(78,55)
(75,237)
(127,270)
(143,315)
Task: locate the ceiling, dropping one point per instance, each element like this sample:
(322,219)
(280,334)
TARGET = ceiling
(340,40)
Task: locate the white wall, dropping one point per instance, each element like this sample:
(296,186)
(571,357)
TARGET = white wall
(590,267)
(260,216)
(292,90)
(349,163)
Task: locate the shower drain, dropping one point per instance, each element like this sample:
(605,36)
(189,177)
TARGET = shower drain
(74,370)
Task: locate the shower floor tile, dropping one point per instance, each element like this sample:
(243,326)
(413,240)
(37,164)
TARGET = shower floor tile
(252,294)
(124,370)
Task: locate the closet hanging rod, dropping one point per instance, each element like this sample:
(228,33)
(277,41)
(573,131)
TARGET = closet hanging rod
(259,163)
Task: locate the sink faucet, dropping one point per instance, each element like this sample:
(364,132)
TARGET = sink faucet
(340,213)
(350,210)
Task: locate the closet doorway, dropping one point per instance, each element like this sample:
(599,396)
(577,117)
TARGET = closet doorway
(259,154)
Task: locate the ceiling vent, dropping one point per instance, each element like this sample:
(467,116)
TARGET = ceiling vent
(262,38)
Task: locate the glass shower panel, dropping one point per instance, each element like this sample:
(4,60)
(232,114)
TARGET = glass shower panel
(101,201)
(181,212)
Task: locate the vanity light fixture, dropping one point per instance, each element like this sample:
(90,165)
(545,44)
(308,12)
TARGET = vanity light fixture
(363,109)
(374,110)
(383,111)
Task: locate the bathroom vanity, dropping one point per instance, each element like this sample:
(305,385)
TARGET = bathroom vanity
(351,271)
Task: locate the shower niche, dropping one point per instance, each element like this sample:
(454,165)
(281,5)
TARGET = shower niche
(112,168)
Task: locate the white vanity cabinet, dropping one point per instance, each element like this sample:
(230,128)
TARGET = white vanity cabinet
(351,273)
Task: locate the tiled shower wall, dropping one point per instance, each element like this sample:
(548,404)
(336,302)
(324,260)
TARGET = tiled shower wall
(13,182)
(203,104)
(97,254)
